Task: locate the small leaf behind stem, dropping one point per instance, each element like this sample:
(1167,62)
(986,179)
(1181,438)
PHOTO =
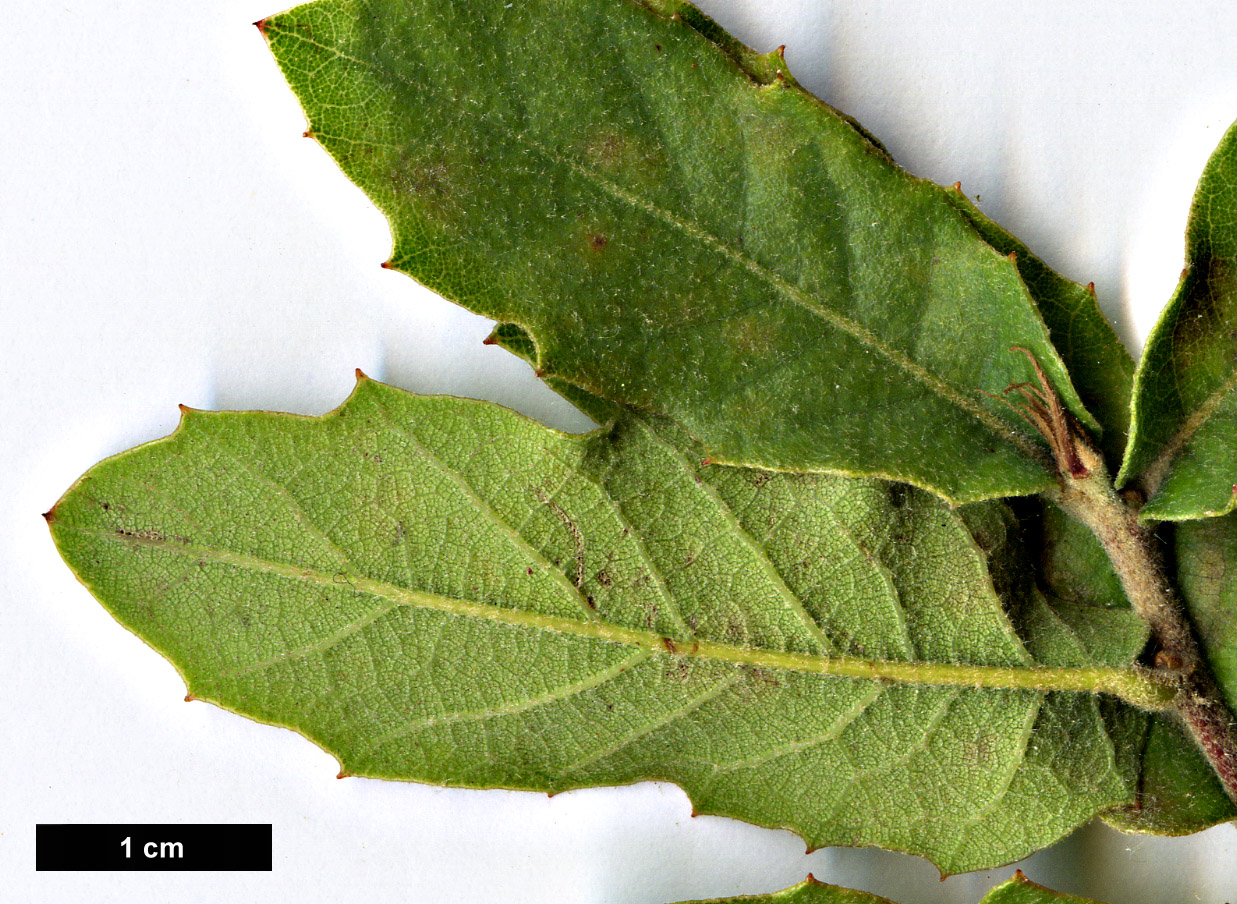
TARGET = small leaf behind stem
(1177,790)
(443,591)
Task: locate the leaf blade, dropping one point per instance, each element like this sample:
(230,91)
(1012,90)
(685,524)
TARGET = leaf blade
(1099,364)
(1184,415)
(756,241)
(1018,890)
(415,605)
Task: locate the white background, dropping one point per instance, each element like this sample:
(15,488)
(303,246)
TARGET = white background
(167,236)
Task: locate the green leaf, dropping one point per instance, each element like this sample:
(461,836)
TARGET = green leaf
(441,590)
(1099,364)
(1021,890)
(677,228)
(1184,446)
(809,891)
(1206,553)
(1018,890)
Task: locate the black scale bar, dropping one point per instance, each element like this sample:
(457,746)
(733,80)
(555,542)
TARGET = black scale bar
(148,847)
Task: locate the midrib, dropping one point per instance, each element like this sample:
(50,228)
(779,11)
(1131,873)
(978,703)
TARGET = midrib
(1123,683)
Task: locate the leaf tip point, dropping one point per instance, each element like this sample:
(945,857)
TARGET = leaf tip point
(189,698)
(50,515)
(386,265)
(361,376)
(260,25)
(489,340)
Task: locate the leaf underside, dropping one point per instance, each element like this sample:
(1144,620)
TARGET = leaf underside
(1185,408)
(677,228)
(440,590)
(1098,363)
(1018,890)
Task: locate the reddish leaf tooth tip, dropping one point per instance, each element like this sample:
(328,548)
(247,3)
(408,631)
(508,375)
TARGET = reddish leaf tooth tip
(1020,876)
(260,25)
(184,409)
(1013,256)
(343,774)
(386,265)
(705,462)
(50,515)
(489,340)
(957,186)
(189,698)
(1091,287)
(538,373)
(360,375)
(308,133)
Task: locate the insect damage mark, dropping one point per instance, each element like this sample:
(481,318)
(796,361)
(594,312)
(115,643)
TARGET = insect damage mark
(576,536)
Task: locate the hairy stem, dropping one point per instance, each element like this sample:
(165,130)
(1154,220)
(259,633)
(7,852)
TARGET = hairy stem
(1135,555)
